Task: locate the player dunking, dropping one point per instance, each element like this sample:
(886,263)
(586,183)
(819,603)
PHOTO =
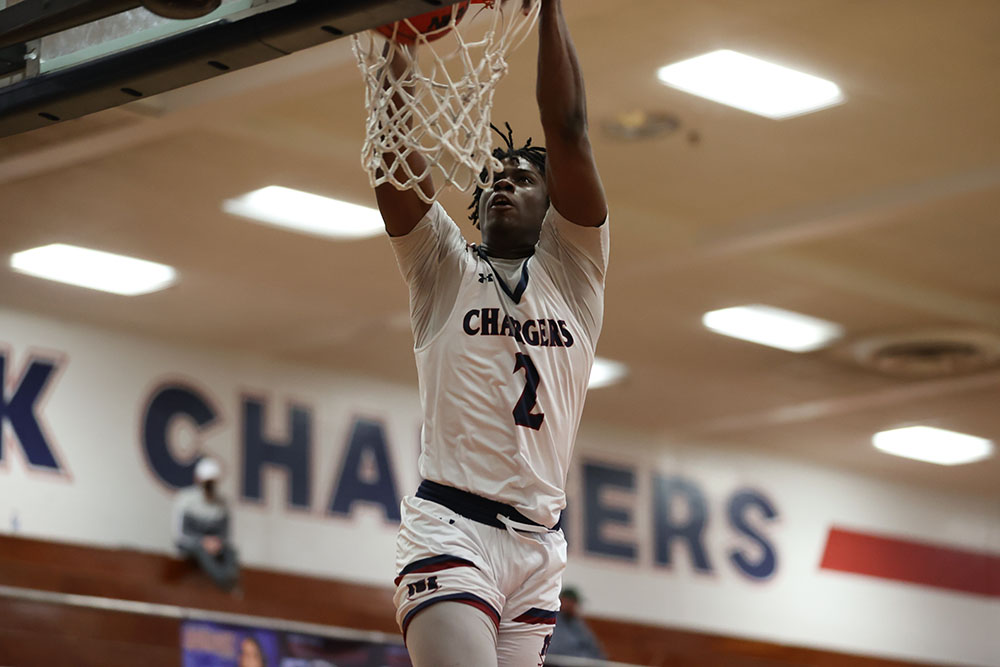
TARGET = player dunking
(505,334)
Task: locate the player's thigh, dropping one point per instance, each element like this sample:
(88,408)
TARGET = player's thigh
(452,634)
(530,612)
(523,644)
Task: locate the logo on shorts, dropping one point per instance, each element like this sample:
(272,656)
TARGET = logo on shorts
(423,586)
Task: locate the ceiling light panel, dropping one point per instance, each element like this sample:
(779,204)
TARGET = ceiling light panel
(775,327)
(933,445)
(751,84)
(306,213)
(606,372)
(94,269)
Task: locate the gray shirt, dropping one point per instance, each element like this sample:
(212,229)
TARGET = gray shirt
(195,517)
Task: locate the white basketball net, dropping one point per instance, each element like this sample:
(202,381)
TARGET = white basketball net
(447,93)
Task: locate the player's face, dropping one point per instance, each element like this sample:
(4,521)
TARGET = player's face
(511,212)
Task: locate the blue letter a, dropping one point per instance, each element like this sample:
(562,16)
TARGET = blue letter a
(366,474)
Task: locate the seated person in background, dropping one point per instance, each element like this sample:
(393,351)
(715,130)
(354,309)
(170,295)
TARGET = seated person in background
(571,636)
(201,526)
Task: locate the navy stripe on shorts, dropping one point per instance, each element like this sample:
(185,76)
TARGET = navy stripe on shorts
(536,615)
(433,564)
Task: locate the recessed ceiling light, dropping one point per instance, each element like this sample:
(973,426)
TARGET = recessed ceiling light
(771,326)
(93,269)
(306,212)
(751,84)
(606,372)
(933,445)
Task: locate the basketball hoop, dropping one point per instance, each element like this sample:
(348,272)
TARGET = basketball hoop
(446,90)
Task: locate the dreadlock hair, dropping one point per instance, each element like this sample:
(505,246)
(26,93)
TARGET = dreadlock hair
(533,154)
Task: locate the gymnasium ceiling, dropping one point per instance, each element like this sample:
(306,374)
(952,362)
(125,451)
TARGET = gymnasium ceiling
(881,214)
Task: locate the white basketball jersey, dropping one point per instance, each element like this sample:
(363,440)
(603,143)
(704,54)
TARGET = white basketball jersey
(503,364)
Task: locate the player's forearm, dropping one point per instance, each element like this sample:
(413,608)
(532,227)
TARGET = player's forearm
(401,209)
(562,102)
(397,71)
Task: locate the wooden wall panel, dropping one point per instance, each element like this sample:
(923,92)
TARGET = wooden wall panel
(641,644)
(40,634)
(59,633)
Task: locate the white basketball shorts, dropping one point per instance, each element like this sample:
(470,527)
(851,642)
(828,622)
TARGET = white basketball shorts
(512,575)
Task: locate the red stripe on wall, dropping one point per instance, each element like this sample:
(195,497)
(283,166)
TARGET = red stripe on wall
(913,562)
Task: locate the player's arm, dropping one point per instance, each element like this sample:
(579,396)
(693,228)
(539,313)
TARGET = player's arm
(574,184)
(403,209)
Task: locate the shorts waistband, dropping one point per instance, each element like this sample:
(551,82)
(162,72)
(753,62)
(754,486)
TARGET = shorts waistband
(476,508)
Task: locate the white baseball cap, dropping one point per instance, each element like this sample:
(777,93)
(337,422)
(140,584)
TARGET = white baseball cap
(207,469)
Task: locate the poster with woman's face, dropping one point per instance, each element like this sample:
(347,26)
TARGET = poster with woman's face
(205,644)
(251,653)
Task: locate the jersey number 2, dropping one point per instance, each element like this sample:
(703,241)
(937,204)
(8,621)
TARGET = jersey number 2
(529,397)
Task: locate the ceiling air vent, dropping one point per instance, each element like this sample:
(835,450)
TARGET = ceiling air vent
(928,354)
(638,125)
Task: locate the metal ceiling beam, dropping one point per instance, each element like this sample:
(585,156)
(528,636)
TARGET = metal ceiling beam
(34,19)
(195,55)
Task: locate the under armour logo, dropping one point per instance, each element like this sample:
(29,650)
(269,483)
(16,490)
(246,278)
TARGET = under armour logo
(485,277)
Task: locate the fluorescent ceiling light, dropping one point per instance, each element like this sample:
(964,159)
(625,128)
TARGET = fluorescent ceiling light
(606,372)
(307,213)
(934,445)
(93,269)
(751,84)
(773,326)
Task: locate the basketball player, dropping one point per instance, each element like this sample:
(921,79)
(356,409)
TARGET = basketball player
(505,334)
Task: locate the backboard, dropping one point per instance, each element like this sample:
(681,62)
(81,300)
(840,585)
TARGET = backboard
(62,59)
